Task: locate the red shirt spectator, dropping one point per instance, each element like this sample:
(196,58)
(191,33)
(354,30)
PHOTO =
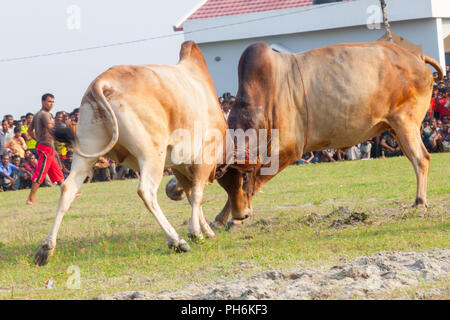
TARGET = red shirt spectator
(432,108)
(444,106)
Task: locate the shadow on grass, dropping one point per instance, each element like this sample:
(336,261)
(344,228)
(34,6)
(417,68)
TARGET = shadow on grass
(129,245)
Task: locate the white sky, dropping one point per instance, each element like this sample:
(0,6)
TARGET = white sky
(30,27)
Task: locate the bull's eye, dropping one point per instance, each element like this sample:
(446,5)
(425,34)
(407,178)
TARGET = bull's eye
(244,176)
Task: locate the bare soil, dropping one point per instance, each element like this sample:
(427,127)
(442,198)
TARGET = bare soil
(387,274)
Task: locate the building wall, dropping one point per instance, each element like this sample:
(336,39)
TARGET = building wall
(224,72)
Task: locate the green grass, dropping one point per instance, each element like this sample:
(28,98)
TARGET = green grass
(118,246)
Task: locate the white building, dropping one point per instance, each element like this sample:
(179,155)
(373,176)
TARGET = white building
(224,28)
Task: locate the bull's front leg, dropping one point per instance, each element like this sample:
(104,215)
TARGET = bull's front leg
(69,189)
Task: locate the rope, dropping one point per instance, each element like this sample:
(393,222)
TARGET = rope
(386,21)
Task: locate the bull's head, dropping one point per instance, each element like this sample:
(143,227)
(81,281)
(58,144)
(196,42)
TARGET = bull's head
(241,187)
(240,175)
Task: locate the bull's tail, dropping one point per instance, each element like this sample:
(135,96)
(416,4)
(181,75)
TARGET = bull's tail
(66,135)
(431,61)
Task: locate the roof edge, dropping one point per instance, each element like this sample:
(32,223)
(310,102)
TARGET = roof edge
(179,25)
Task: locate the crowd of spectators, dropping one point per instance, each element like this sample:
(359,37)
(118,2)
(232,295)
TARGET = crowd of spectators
(19,158)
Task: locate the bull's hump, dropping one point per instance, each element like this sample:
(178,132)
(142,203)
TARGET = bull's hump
(191,52)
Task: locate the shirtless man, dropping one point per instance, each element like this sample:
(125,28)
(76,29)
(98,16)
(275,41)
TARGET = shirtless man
(40,130)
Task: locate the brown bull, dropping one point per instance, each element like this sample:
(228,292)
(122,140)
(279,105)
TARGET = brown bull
(332,97)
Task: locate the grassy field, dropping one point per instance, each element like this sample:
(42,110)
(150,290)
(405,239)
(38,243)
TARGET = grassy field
(118,246)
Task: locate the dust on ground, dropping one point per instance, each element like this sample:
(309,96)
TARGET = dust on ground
(387,274)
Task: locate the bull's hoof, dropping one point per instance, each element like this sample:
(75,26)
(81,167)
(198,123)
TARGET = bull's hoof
(174,191)
(209,234)
(234,225)
(181,247)
(42,255)
(420,204)
(217,225)
(196,238)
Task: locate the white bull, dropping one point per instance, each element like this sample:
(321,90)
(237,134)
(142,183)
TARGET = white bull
(131,113)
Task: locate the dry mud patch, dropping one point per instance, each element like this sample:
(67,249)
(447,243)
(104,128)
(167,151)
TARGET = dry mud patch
(387,274)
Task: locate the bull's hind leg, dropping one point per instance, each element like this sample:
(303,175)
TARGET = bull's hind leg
(408,135)
(150,178)
(187,186)
(79,171)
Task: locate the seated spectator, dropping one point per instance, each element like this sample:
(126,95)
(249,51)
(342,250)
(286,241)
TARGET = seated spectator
(30,162)
(425,133)
(433,145)
(132,174)
(121,172)
(389,146)
(168,172)
(330,155)
(307,158)
(443,140)
(17,145)
(100,171)
(366,148)
(8,173)
(354,153)
(375,151)
(19,174)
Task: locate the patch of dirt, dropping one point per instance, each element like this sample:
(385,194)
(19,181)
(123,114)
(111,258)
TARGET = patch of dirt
(369,277)
(340,218)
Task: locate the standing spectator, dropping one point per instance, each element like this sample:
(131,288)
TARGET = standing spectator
(5,136)
(10,120)
(74,116)
(17,144)
(67,164)
(60,147)
(31,143)
(433,105)
(444,106)
(40,129)
(226,108)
